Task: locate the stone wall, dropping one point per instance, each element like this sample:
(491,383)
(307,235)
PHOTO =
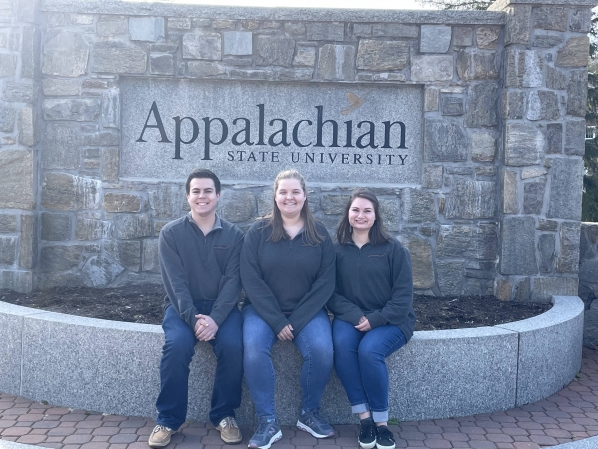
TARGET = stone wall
(499,203)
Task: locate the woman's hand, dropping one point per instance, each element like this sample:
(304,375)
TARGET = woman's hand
(286,333)
(364,324)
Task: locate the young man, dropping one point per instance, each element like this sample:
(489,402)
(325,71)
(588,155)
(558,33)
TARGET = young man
(199,260)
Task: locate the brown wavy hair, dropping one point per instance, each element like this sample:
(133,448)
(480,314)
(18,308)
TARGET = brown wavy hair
(377,234)
(274,219)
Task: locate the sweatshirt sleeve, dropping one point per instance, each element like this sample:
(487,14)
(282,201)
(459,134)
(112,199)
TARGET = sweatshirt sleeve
(343,309)
(321,291)
(397,308)
(175,279)
(230,284)
(257,290)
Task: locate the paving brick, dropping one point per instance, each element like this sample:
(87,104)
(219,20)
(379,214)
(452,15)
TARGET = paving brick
(77,439)
(31,439)
(125,438)
(15,432)
(482,445)
(438,444)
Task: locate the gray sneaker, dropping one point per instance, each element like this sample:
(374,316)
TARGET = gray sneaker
(313,423)
(267,432)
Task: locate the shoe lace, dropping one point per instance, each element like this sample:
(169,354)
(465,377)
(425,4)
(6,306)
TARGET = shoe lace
(230,421)
(262,426)
(160,427)
(369,430)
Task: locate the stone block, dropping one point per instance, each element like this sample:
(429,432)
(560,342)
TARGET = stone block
(551,339)
(432,176)
(533,196)
(545,288)
(252,74)
(485,171)
(422,266)
(72,109)
(146,29)
(444,140)
(547,40)
(27,135)
(111,25)
(8,223)
(60,257)
(588,271)
(566,189)
(325,31)
(305,57)
(17,179)
(274,50)
(201,69)
(296,74)
(126,252)
(60,87)
(238,43)
(100,271)
(510,204)
(111,109)
(547,225)
(431,99)
(331,204)
(131,226)
(472,242)
(543,105)
(389,210)
(577,93)
(568,260)
(475,64)
(432,68)
(450,105)
(575,137)
(63,191)
(581,20)
(450,277)
(522,290)
(481,105)
(91,229)
(28,242)
(471,199)
(435,38)
(296,29)
(394,30)
(483,146)
(161,64)
(8,248)
(151,261)
(382,55)
(518,253)
(462,36)
(8,65)
(62,146)
(118,57)
(532,172)
(574,53)
(179,23)
(336,62)
(110,164)
(8,118)
(237,206)
(56,227)
(19,92)
(165,201)
(122,202)
(524,145)
(11,350)
(487,37)
(554,138)
(417,206)
(503,289)
(102,139)
(555,79)
(551,18)
(524,68)
(518,24)
(65,54)
(546,247)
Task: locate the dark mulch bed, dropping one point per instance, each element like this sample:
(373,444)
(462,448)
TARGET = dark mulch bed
(143,304)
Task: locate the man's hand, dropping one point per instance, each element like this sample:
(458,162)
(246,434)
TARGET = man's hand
(205,328)
(364,324)
(286,333)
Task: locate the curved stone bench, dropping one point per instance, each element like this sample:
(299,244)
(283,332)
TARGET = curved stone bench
(112,367)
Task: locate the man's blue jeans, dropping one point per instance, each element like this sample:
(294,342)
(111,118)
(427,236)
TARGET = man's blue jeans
(315,344)
(178,350)
(359,360)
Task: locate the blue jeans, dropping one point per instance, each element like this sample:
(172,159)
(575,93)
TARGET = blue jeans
(315,344)
(359,359)
(178,350)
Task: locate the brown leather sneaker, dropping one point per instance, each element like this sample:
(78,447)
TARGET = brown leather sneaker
(160,436)
(229,430)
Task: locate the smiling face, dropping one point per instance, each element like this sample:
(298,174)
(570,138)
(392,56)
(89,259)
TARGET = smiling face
(362,214)
(289,198)
(202,197)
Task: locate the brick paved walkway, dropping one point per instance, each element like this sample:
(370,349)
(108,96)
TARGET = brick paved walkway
(569,415)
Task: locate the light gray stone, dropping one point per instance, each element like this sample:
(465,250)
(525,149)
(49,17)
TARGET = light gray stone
(161,64)
(60,87)
(555,79)
(554,138)
(450,275)
(325,31)
(389,210)
(575,137)
(305,57)
(63,191)
(296,74)
(60,257)
(431,99)
(487,37)
(125,252)
(473,242)
(105,138)
(546,247)
(110,25)
(566,189)
(524,68)
(62,143)
(274,50)
(432,68)
(477,64)
(485,171)
(110,164)
(524,145)
(471,199)
(131,226)
(252,74)
(8,223)
(12,347)
(483,146)
(432,176)
(118,57)
(581,20)
(577,93)
(111,109)
(237,206)
(17,179)
(27,123)
(334,204)
(568,260)
(336,63)
(151,261)
(72,109)
(481,105)
(422,267)
(99,271)
(238,43)
(146,29)
(519,24)
(444,140)
(296,29)
(66,54)
(28,242)
(532,172)
(394,30)
(462,36)
(574,53)
(417,206)
(56,227)
(523,290)
(510,204)
(8,247)
(464,171)
(545,288)
(382,55)
(91,228)
(518,253)
(450,105)
(533,196)
(201,69)
(362,30)
(543,105)
(122,202)
(165,201)
(19,92)
(547,40)
(435,38)
(551,18)
(8,118)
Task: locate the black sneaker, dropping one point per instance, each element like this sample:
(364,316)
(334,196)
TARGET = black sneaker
(367,433)
(384,438)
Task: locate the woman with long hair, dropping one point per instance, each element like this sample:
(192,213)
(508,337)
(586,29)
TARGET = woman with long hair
(373,308)
(288,274)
